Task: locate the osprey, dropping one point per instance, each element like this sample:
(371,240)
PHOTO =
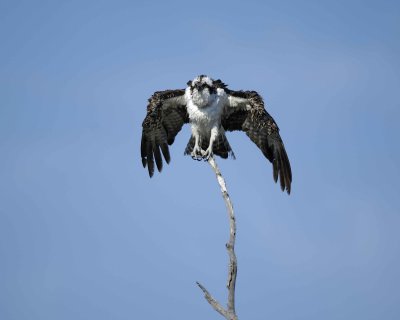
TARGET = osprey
(211,109)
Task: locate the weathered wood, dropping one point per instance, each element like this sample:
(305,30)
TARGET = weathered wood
(229,313)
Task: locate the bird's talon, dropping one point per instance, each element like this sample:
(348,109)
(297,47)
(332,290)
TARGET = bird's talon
(207,154)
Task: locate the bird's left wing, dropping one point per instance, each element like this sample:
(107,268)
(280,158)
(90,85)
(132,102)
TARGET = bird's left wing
(166,114)
(245,111)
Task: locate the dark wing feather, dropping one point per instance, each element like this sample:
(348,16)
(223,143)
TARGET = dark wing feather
(166,114)
(246,112)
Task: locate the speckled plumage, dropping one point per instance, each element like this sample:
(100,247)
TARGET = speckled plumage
(211,109)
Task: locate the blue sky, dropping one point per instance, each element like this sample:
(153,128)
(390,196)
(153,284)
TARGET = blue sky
(84,232)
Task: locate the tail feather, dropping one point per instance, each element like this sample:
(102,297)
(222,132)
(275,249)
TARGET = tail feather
(190,146)
(221,147)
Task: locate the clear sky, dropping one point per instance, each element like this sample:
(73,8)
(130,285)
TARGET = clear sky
(85,234)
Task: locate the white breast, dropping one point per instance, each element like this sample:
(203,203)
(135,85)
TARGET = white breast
(208,116)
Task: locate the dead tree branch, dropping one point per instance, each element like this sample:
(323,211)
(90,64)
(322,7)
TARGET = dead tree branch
(229,313)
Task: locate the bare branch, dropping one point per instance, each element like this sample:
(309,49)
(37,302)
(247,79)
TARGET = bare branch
(214,303)
(229,313)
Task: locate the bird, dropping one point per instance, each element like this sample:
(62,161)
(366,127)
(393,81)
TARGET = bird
(212,109)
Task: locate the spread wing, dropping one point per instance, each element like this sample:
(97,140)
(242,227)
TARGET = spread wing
(246,112)
(166,114)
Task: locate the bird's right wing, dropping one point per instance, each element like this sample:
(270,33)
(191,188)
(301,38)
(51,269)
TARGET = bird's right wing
(166,114)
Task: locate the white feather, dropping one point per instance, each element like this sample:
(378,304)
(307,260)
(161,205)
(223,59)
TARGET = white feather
(205,110)
(236,102)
